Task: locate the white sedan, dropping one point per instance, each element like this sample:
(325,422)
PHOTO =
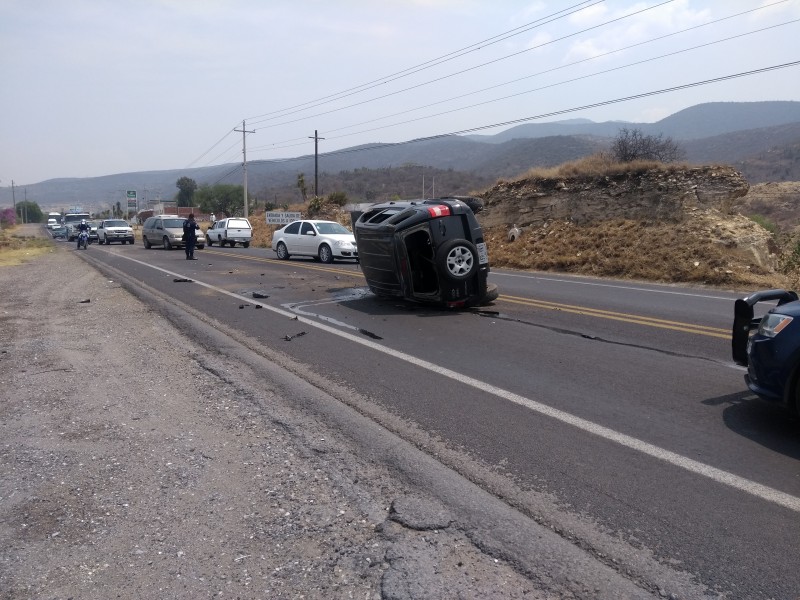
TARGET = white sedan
(322,240)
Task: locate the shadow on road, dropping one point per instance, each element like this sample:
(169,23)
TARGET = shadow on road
(770,425)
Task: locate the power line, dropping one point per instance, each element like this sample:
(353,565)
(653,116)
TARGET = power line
(429,116)
(475,67)
(439,60)
(545,115)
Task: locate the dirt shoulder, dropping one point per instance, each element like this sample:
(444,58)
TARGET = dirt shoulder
(122,474)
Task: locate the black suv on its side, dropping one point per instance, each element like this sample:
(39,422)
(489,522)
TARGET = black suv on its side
(429,251)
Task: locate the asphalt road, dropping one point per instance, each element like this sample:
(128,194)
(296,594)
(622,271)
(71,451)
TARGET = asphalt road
(608,411)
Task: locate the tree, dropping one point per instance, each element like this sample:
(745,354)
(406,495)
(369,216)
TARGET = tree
(221,199)
(337,198)
(632,144)
(186,187)
(29,212)
(301,185)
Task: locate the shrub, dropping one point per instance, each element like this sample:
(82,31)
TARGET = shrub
(765,223)
(7,217)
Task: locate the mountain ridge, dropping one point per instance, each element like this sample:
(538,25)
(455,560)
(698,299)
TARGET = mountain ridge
(761,139)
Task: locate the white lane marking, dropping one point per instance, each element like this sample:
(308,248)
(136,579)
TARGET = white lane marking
(718,475)
(610,285)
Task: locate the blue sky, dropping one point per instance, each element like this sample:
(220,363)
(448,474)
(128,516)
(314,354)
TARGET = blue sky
(97,87)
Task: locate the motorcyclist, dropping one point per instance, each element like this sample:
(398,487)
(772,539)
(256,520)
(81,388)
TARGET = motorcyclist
(84,226)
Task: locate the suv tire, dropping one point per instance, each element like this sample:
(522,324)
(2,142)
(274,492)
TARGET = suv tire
(457,260)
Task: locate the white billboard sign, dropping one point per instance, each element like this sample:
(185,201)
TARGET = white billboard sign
(282,218)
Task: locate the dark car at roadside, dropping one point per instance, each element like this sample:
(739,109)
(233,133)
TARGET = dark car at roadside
(428,250)
(769,346)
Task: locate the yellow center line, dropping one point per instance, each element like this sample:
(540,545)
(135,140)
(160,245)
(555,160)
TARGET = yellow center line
(617,316)
(287,263)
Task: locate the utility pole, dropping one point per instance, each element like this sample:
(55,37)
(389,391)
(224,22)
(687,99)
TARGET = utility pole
(316,139)
(13,199)
(244,163)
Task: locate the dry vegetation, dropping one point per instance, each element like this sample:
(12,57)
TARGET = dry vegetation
(598,165)
(16,248)
(664,252)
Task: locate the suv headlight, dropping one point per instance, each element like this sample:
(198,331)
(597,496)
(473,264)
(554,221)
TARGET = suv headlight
(772,324)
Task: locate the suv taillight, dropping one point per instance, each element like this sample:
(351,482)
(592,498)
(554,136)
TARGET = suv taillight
(440,210)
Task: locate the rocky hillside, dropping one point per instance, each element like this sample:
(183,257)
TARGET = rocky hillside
(680,225)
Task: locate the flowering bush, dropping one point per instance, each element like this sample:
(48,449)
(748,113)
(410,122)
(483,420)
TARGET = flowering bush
(7,217)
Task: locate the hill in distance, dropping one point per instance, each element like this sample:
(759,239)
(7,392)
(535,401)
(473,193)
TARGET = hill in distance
(761,139)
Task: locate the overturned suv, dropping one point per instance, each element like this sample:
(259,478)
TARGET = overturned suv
(429,251)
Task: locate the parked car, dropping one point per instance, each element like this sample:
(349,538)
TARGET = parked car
(167,231)
(322,240)
(769,346)
(115,230)
(231,231)
(430,251)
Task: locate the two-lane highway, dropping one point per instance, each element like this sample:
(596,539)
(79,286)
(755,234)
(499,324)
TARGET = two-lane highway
(609,411)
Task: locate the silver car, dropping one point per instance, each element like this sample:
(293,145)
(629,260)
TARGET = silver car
(167,231)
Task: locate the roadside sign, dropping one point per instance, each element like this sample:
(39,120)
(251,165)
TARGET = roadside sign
(132,200)
(282,218)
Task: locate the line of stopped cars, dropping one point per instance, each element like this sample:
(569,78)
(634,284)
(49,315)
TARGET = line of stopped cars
(429,250)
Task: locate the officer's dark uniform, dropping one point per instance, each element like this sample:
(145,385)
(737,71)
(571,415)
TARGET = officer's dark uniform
(190,228)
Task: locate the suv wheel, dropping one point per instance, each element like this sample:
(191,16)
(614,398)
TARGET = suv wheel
(457,260)
(208,241)
(146,243)
(167,243)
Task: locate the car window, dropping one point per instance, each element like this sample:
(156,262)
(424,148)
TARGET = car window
(306,228)
(238,223)
(332,228)
(292,227)
(379,215)
(173,223)
(114,224)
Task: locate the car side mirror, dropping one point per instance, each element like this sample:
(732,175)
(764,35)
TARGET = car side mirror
(311,233)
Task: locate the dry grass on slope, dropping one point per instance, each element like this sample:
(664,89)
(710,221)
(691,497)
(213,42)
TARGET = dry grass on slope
(628,250)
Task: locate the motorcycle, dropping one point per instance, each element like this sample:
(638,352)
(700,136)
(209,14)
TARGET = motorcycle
(83,240)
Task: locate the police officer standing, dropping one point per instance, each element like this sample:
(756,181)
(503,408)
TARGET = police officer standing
(190,228)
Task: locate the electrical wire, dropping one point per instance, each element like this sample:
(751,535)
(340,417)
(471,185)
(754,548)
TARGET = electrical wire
(301,141)
(475,67)
(437,61)
(371,147)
